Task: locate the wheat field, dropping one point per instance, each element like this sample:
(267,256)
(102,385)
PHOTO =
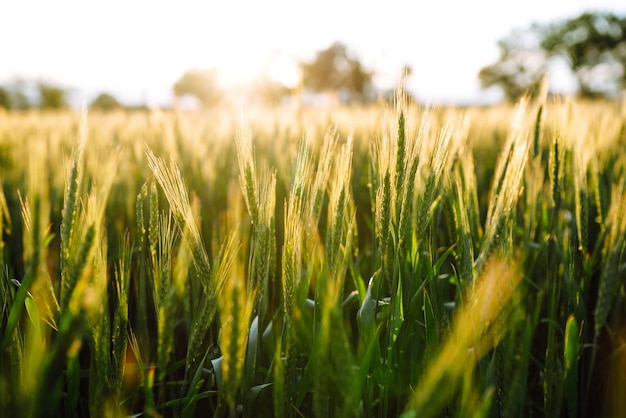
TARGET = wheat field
(393,260)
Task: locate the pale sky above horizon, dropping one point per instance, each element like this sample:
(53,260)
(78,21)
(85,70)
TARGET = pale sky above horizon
(137,49)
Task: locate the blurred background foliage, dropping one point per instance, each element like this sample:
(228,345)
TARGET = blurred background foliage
(590,47)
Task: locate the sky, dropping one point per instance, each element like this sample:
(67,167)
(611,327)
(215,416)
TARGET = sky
(137,49)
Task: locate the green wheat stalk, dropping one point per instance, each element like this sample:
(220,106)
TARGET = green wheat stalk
(171,181)
(439,162)
(247,170)
(235,307)
(506,187)
(412,161)
(322,174)
(165,294)
(70,209)
(120,319)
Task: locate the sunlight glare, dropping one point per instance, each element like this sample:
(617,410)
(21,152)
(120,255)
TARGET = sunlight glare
(284,70)
(238,71)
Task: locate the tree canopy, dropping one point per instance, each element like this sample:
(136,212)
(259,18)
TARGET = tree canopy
(26,94)
(202,84)
(15,95)
(335,69)
(592,44)
(105,102)
(5,98)
(270,92)
(52,97)
(519,69)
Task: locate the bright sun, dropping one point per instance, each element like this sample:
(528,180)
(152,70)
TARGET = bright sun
(284,70)
(277,66)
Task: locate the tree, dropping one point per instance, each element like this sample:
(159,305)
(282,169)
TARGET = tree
(5,98)
(19,97)
(201,84)
(593,45)
(334,69)
(51,97)
(105,102)
(358,80)
(520,68)
(269,91)
(13,96)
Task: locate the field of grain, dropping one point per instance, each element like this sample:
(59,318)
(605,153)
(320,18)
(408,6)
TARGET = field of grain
(377,262)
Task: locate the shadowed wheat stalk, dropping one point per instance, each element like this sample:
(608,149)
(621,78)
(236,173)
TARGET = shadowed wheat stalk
(478,327)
